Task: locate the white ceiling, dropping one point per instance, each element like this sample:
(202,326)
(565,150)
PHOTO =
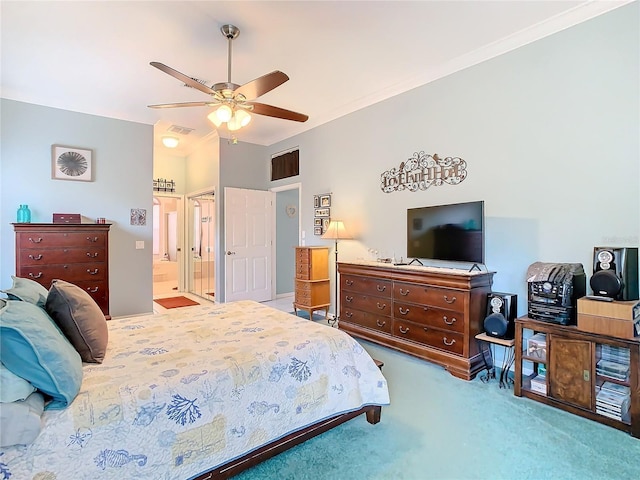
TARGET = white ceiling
(93,57)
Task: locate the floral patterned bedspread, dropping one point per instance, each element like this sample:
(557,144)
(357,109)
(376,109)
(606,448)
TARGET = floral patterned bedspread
(182,392)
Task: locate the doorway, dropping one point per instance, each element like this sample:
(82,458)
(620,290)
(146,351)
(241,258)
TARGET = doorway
(287,236)
(168,265)
(202,241)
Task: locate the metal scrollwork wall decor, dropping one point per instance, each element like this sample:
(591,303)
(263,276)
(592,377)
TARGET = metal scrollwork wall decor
(422,171)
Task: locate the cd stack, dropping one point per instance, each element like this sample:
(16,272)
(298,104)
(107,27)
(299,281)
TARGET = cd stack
(613,399)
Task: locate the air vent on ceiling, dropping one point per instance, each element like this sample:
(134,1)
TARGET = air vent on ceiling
(180,130)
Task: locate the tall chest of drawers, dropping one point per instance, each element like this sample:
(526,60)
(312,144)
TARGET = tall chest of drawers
(312,280)
(76,253)
(431,313)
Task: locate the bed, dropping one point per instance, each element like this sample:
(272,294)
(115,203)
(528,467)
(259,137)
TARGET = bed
(202,392)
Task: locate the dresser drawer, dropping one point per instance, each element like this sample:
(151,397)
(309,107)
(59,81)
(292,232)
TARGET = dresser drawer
(429,316)
(444,340)
(44,256)
(98,291)
(427,295)
(365,319)
(312,293)
(60,239)
(72,273)
(373,286)
(367,303)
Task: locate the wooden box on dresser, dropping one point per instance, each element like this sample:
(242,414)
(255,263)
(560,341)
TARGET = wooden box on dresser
(312,280)
(432,313)
(569,373)
(76,253)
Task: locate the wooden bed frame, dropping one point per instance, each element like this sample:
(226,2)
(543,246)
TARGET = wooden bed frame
(234,467)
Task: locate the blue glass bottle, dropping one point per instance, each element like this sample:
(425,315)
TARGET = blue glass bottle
(24,214)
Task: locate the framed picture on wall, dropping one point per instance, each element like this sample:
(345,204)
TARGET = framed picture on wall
(71,163)
(325,200)
(322,212)
(317,230)
(317,222)
(316,201)
(325,224)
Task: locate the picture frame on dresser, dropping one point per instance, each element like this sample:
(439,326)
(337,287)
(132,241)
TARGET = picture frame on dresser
(71,163)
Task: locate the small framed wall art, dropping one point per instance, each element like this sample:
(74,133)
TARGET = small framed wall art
(71,163)
(317,230)
(325,200)
(322,212)
(317,222)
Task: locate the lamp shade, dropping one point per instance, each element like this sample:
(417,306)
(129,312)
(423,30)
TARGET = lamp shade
(336,231)
(170,142)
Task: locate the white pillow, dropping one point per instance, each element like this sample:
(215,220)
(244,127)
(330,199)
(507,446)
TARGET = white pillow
(13,387)
(20,421)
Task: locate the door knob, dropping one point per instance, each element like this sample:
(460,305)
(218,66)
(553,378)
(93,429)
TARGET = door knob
(229,252)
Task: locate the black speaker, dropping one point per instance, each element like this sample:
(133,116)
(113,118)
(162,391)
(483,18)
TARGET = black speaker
(615,273)
(501,314)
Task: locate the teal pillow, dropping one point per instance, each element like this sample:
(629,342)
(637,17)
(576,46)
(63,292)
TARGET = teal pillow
(28,291)
(34,348)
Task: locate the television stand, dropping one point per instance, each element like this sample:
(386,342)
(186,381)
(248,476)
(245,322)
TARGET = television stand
(475,267)
(415,260)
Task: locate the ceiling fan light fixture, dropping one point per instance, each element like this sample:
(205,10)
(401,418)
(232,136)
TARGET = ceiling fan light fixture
(243,117)
(213,118)
(170,142)
(224,113)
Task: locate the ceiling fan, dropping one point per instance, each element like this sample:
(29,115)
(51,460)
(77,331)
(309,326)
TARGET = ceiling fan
(234,101)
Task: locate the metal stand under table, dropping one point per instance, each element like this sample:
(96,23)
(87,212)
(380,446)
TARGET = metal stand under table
(507,360)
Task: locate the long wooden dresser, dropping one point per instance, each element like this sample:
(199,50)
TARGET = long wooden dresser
(76,253)
(432,313)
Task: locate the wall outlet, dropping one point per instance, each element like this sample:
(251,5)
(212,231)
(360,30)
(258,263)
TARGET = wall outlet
(139,244)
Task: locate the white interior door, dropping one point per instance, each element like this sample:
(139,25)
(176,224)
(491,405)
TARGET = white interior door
(248,254)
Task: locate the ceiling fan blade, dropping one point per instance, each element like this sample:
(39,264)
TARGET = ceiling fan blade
(190,82)
(183,104)
(261,85)
(271,111)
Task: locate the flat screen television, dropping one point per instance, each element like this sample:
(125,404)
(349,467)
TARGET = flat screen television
(453,232)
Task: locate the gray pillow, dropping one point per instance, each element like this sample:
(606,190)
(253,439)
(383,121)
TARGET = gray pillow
(13,387)
(80,319)
(20,421)
(27,290)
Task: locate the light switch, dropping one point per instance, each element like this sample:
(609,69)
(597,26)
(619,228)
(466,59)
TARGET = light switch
(139,244)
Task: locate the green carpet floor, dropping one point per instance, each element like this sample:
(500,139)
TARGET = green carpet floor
(441,427)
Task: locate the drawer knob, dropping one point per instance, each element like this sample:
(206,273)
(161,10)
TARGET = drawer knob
(38,240)
(35,276)
(381,288)
(93,290)
(381,307)
(449,322)
(448,343)
(380,324)
(349,298)
(348,282)
(94,239)
(449,300)
(403,330)
(403,311)
(92,272)
(92,255)
(404,292)
(37,257)
(348,314)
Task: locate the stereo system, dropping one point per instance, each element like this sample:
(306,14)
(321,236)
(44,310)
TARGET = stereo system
(501,314)
(553,290)
(615,273)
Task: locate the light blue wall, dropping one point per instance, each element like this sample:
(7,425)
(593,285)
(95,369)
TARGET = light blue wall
(550,132)
(122,165)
